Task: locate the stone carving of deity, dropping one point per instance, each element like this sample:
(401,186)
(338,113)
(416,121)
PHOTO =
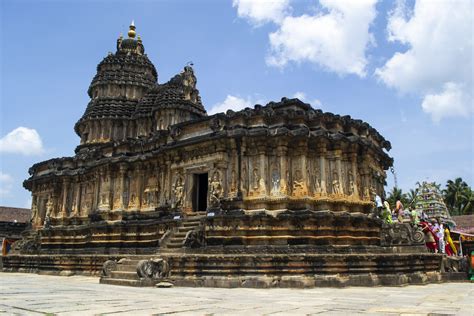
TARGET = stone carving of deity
(353,191)
(215,189)
(34,210)
(244,180)
(233,182)
(336,187)
(133,202)
(299,186)
(275,182)
(256,179)
(104,192)
(151,192)
(49,206)
(178,191)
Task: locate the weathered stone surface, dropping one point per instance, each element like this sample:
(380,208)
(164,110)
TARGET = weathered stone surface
(278,195)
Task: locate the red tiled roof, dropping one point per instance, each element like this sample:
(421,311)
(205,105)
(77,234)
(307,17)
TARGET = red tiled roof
(464,223)
(10,214)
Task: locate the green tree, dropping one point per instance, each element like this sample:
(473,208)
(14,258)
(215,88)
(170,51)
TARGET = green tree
(395,195)
(467,202)
(453,195)
(412,197)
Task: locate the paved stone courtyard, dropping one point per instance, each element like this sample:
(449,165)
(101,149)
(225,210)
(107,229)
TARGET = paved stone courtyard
(31,294)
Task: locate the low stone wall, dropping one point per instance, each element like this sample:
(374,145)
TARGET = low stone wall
(56,264)
(120,237)
(322,228)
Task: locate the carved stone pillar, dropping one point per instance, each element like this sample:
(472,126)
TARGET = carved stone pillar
(337,156)
(354,188)
(262,186)
(119,188)
(282,153)
(322,167)
(76,198)
(65,193)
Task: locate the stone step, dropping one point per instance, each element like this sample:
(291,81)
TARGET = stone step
(180,245)
(127,267)
(187,228)
(175,243)
(190,223)
(126,282)
(126,275)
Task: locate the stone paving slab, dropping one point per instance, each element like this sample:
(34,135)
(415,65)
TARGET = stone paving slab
(32,294)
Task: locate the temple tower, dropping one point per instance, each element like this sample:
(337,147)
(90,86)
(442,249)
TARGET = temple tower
(122,79)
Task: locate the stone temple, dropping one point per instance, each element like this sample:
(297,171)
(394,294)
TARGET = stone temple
(278,195)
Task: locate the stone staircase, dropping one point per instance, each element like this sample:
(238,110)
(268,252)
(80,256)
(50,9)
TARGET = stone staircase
(125,271)
(176,240)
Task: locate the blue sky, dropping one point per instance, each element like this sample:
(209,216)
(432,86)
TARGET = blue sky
(404,67)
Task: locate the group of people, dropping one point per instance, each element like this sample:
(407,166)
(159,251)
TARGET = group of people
(437,234)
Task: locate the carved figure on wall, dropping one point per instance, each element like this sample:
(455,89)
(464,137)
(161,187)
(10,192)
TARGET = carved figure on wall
(117,201)
(34,210)
(275,182)
(178,191)
(215,189)
(353,191)
(244,180)
(133,202)
(150,198)
(256,179)
(73,207)
(233,182)
(336,189)
(49,206)
(105,191)
(261,186)
(299,186)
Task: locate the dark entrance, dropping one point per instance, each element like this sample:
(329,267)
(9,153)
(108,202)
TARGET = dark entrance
(200,192)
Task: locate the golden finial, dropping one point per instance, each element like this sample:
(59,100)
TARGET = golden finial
(131,31)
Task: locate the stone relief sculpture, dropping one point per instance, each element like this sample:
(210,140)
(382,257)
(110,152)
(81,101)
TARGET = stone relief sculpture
(244,181)
(178,191)
(299,186)
(150,194)
(233,183)
(353,190)
(256,179)
(104,193)
(336,188)
(215,190)
(275,183)
(34,210)
(49,207)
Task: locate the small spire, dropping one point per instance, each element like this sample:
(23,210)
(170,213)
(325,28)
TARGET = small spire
(131,31)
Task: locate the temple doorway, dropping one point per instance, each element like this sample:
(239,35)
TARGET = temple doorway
(200,189)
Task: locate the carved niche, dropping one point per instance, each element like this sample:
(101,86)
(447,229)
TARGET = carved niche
(150,194)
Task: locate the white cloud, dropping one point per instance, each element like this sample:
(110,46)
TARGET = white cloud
(258,12)
(6,182)
(438,62)
(336,40)
(231,103)
(452,101)
(300,95)
(22,140)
